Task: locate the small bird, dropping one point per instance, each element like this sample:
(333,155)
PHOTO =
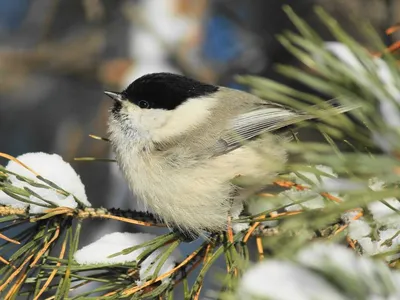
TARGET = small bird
(194,152)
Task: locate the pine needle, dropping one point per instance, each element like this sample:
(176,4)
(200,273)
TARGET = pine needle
(14,289)
(2,236)
(46,247)
(96,137)
(251,230)
(54,272)
(4,261)
(10,157)
(15,273)
(94,159)
(260,248)
(133,290)
(229,229)
(392,29)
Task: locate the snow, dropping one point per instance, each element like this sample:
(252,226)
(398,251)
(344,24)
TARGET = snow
(375,184)
(386,224)
(256,206)
(359,229)
(236,210)
(388,92)
(54,197)
(345,54)
(340,184)
(321,271)
(387,221)
(7,200)
(98,252)
(323,256)
(280,280)
(315,200)
(309,180)
(51,167)
(319,179)
(349,216)
(385,215)
(343,265)
(239,227)
(373,247)
(382,213)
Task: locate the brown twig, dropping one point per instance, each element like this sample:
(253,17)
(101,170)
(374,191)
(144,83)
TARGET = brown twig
(8,211)
(131,221)
(79,213)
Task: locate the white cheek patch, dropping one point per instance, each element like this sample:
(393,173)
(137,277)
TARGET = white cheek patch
(172,123)
(159,125)
(153,119)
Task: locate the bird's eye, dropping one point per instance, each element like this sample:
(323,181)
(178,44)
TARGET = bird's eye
(143,104)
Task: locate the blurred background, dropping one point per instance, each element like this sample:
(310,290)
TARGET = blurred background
(57,57)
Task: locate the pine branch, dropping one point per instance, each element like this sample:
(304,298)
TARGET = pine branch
(359,151)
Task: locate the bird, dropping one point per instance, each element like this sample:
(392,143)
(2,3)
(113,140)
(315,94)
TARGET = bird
(193,152)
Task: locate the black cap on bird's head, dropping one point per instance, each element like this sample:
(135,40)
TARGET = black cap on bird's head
(162,90)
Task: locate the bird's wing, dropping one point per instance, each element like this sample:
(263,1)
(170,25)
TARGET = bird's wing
(254,123)
(266,118)
(251,124)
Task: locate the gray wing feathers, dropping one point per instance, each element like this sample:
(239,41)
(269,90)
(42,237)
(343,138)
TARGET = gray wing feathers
(252,124)
(266,119)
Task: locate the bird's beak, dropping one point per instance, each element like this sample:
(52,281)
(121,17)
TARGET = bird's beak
(115,96)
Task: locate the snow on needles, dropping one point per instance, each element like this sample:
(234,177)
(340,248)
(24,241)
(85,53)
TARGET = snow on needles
(309,198)
(99,251)
(384,237)
(346,269)
(383,213)
(280,280)
(51,167)
(321,271)
(387,90)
